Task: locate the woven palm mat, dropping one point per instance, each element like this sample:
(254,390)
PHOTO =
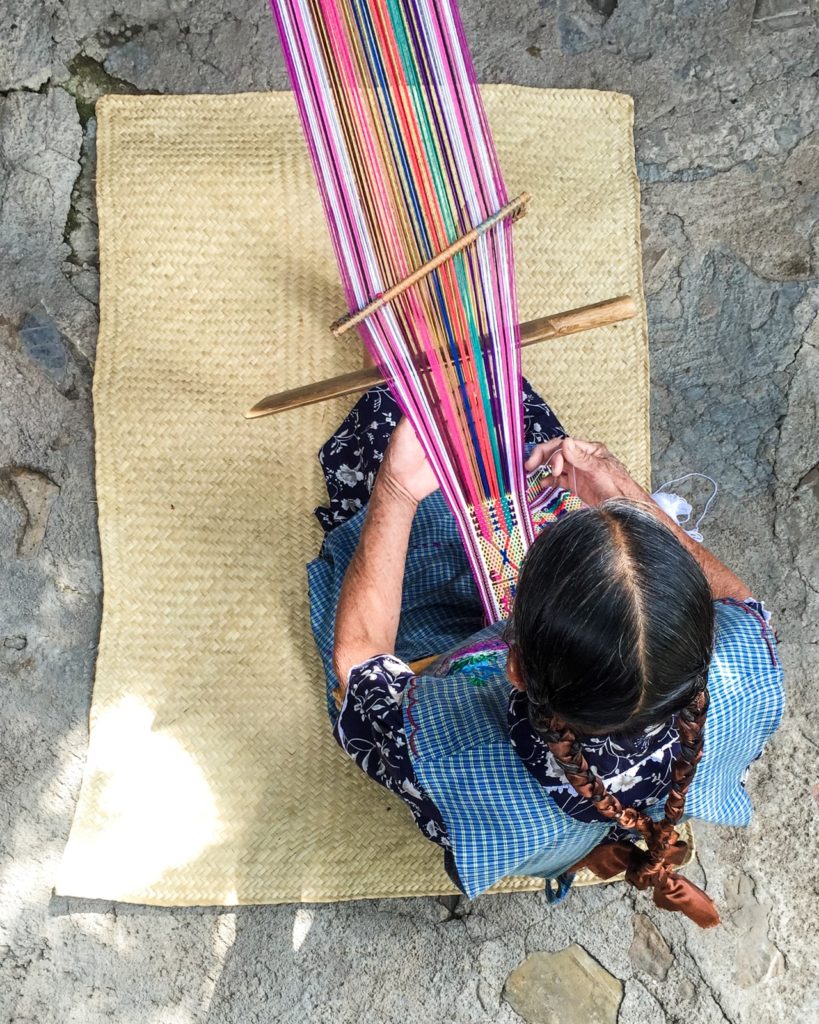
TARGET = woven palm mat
(212,775)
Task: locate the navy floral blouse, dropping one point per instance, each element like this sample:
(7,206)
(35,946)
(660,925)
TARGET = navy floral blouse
(351,457)
(370,728)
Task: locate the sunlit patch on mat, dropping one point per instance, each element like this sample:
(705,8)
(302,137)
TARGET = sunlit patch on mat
(212,776)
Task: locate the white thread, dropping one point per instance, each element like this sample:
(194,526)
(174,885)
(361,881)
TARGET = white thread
(574,469)
(675,506)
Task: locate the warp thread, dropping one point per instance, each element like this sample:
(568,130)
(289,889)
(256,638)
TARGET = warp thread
(406,165)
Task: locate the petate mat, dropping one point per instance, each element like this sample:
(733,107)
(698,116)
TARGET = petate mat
(212,776)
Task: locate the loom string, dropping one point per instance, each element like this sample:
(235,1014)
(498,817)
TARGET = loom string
(482,438)
(489,349)
(401,156)
(432,455)
(483,380)
(404,169)
(361,146)
(305,100)
(512,351)
(462,52)
(354,240)
(412,157)
(403,272)
(485,391)
(429,97)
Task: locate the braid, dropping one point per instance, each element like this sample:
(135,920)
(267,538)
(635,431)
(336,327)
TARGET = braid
(603,638)
(690,723)
(651,868)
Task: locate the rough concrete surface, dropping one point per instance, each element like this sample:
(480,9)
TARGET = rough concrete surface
(727,132)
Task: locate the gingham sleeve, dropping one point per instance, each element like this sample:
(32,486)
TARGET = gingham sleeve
(769,636)
(747,656)
(370,729)
(746,652)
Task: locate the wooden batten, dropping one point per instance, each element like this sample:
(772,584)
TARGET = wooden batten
(557,325)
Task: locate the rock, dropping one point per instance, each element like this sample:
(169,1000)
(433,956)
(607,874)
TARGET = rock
(37,494)
(757,958)
(748,364)
(605,7)
(89,80)
(449,907)
(579,30)
(495,960)
(81,229)
(698,8)
(639,1005)
(567,987)
(40,139)
(633,31)
(223,51)
(25,46)
(41,340)
(781,15)
(649,951)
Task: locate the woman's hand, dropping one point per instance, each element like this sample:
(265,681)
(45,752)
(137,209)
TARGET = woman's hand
(590,470)
(586,467)
(405,466)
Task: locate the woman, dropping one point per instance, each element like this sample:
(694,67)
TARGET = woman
(557,739)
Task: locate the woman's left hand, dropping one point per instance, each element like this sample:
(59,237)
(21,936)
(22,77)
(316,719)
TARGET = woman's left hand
(405,465)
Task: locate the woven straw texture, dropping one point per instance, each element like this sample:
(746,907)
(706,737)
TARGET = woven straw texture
(212,776)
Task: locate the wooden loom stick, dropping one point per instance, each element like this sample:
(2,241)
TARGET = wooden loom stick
(557,325)
(515,209)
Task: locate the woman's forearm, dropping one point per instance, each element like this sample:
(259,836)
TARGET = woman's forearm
(369,605)
(722,581)
(590,469)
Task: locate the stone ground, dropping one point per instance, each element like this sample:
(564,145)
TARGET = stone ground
(727,131)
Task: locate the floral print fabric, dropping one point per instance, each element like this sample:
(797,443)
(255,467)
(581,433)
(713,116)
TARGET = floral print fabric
(370,729)
(636,768)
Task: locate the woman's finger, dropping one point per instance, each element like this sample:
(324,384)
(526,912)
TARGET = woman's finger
(557,463)
(591,450)
(542,453)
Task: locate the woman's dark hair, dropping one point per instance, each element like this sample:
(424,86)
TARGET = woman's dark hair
(613,631)
(613,621)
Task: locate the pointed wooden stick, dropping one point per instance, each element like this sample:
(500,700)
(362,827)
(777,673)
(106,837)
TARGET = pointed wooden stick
(515,209)
(600,314)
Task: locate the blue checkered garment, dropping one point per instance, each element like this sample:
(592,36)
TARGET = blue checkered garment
(441,605)
(501,821)
(498,818)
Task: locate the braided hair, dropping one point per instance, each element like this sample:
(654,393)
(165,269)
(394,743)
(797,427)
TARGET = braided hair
(612,631)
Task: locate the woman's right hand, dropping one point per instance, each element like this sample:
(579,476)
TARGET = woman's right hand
(586,467)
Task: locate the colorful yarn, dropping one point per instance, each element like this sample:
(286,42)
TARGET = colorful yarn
(556,506)
(406,165)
